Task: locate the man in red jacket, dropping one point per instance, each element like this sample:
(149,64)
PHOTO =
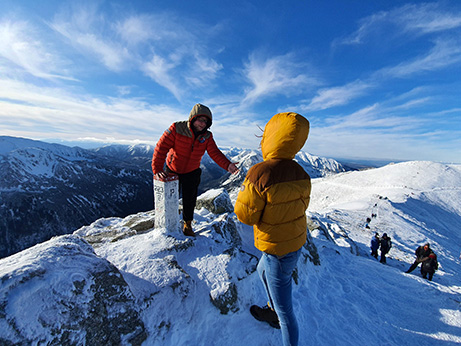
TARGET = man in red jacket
(181,147)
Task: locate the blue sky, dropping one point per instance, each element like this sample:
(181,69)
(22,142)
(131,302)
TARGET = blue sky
(376,79)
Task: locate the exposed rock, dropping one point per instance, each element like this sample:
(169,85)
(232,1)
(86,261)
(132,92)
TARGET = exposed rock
(111,230)
(332,232)
(141,222)
(226,229)
(226,301)
(313,254)
(216,201)
(88,301)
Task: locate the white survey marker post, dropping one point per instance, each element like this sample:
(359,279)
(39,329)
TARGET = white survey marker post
(166,196)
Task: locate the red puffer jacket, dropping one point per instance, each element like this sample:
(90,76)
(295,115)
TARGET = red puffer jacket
(183,152)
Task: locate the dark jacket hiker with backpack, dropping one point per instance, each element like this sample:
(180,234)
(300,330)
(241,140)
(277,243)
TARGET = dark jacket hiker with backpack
(386,245)
(429,266)
(428,258)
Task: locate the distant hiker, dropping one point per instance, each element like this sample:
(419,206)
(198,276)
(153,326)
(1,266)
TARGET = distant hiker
(274,198)
(375,241)
(386,245)
(182,146)
(422,254)
(429,266)
(367,223)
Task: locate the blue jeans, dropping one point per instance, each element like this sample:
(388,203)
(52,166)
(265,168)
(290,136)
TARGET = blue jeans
(276,274)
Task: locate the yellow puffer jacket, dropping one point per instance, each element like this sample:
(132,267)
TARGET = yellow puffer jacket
(275,194)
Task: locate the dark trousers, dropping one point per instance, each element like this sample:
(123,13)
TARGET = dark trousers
(188,187)
(425,274)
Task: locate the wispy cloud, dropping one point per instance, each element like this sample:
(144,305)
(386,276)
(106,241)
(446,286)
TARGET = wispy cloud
(51,113)
(277,75)
(393,85)
(338,96)
(161,46)
(443,54)
(426,18)
(400,127)
(22,47)
(89,33)
(415,19)
(137,29)
(159,70)
(43,111)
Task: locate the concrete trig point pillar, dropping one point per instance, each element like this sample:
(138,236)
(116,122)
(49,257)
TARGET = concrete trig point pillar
(166,197)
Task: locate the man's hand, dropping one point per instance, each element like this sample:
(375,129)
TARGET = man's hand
(161,175)
(233,168)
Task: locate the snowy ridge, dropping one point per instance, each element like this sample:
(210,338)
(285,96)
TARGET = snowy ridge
(318,166)
(50,189)
(212,175)
(314,165)
(126,151)
(197,291)
(10,144)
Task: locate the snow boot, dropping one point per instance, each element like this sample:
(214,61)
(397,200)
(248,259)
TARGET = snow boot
(265,314)
(187,229)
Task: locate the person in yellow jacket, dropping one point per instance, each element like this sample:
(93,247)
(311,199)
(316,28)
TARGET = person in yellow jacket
(273,199)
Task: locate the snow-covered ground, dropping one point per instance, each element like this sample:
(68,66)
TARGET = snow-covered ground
(355,300)
(197,291)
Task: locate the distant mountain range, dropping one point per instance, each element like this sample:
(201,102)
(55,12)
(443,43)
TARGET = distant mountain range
(51,189)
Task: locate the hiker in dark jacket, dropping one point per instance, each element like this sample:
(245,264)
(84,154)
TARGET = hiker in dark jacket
(422,253)
(375,245)
(386,245)
(429,266)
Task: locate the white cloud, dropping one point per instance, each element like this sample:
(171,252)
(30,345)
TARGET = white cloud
(426,18)
(416,19)
(401,127)
(136,29)
(162,46)
(443,54)
(22,47)
(203,71)
(338,96)
(159,70)
(85,31)
(163,30)
(278,75)
(42,112)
